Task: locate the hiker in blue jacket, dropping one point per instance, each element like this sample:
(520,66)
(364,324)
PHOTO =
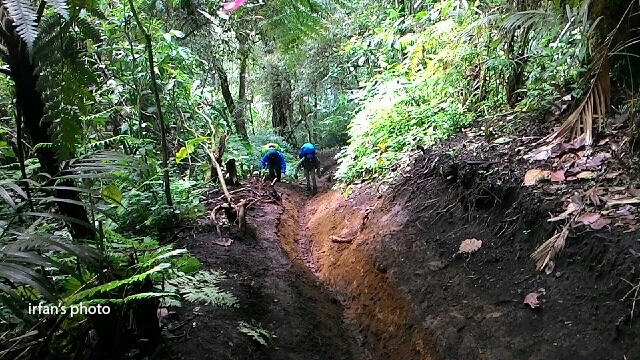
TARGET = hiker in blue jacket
(275,163)
(310,163)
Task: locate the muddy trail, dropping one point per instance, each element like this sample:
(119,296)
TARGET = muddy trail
(267,271)
(377,275)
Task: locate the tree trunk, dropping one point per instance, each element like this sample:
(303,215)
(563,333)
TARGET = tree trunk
(29,101)
(156,96)
(281,107)
(236,111)
(240,118)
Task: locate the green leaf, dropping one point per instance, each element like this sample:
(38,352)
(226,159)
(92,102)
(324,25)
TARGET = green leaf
(182,154)
(104,288)
(112,194)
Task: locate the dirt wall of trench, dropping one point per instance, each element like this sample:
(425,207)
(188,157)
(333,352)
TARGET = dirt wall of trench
(391,258)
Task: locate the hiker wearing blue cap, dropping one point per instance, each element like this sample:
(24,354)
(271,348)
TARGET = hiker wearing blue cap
(310,163)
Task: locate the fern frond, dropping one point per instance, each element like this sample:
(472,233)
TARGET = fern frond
(61,7)
(202,288)
(257,333)
(24,19)
(88,294)
(88,29)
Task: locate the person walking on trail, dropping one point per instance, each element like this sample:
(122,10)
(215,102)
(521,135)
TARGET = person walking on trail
(275,163)
(310,163)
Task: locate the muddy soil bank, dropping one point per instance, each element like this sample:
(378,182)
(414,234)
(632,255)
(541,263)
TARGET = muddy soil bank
(377,275)
(402,280)
(274,293)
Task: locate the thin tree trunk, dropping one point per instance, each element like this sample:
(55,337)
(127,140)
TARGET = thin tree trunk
(236,110)
(20,146)
(253,124)
(241,126)
(156,96)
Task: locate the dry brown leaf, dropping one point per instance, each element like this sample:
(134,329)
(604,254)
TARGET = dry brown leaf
(557,176)
(533,176)
(589,218)
(587,175)
(550,248)
(532,300)
(598,160)
(470,245)
(600,223)
(550,267)
(623,201)
(223,241)
(613,174)
(571,208)
(594,198)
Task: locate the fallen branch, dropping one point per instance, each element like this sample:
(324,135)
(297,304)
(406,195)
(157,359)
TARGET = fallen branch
(235,212)
(340,240)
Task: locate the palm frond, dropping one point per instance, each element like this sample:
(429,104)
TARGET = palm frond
(592,108)
(550,248)
(525,19)
(22,275)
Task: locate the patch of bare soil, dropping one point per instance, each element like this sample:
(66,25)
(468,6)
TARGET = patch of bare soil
(395,256)
(381,274)
(274,293)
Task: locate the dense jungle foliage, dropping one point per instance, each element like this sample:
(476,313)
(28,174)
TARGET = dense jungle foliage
(115,115)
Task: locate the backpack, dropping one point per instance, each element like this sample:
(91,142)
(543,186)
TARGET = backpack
(273,156)
(307,150)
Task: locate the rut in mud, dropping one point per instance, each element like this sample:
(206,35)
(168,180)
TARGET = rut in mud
(318,234)
(320,300)
(275,294)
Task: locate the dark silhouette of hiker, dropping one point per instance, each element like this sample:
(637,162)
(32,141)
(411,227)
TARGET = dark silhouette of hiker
(275,163)
(310,163)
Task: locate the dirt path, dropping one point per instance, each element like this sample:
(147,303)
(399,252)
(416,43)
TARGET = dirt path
(377,276)
(276,292)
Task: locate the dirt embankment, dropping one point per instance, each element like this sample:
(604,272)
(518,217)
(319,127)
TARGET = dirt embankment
(274,294)
(392,258)
(403,291)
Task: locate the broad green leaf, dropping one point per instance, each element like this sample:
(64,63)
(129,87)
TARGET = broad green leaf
(112,194)
(182,154)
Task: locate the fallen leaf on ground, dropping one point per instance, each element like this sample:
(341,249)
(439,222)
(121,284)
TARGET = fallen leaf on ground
(623,201)
(600,223)
(597,160)
(470,245)
(571,208)
(548,269)
(613,174)
(162,314)
(340,240)
(589,218)
(594,198)
(533,176)
(493,315)
(587,175)
(557,176)
(223,241)
(502,140)
(532,300)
